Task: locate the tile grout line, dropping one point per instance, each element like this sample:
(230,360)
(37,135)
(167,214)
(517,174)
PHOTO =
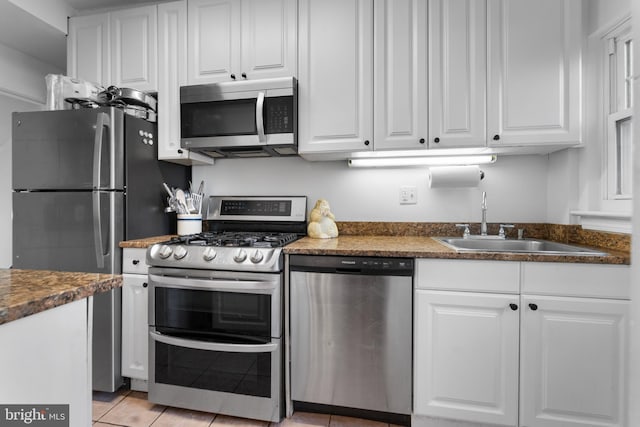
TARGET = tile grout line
(111,408)
(159,415)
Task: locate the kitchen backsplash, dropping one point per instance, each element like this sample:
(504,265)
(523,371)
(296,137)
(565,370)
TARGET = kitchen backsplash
(516,189)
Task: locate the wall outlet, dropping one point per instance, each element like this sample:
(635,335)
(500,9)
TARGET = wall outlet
(408,195)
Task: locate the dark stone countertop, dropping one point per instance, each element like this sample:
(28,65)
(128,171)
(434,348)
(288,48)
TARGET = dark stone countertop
(27,292)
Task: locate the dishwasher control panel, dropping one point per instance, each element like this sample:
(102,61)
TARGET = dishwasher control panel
(354,265)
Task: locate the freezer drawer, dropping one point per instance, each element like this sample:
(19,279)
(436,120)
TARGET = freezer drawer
(68,231)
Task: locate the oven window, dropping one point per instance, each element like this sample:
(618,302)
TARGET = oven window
(218,118)
(215,316)
(233,372)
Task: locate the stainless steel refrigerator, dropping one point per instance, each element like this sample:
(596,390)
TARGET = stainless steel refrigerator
(83,181)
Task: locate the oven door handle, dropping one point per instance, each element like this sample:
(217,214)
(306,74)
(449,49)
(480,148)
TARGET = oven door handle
(203,345)
(247,286)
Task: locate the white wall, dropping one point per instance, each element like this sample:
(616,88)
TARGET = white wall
(53,12)
(634,366)
(22,88)
(23,76)
(515,186)
(583,167)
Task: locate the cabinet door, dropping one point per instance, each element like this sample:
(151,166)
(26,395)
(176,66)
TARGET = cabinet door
(269,34)
(534,72)
(172,73)
(335,89)
(88,54)
(573,361)
(457,73)
(466,356)
(134,326)
(214,40)
(400,80)
(134,48)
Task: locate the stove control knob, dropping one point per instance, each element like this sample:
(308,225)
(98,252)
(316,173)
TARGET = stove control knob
(180,252)
(165,251)
(240,256)
(209,254)
(256,257)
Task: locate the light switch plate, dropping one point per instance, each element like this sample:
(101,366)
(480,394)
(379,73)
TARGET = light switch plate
(408,195)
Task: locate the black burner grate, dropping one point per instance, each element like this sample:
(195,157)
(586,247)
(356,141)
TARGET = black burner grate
(236,239)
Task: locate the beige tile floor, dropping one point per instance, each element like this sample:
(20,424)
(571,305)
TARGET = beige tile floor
(127,408)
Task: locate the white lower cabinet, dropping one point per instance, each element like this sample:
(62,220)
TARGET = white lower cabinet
(466,356)
(135,318)
(487,358)
(572,361)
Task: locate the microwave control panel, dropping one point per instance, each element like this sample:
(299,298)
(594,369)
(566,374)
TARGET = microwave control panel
(279,113)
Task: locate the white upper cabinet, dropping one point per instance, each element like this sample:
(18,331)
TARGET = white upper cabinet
(457,73)
(213,40)
(172,73)
(116,48)
(134,48)
(400,76)
(533,75)
(235,40)
(88,53)
(335,86)
(269,35)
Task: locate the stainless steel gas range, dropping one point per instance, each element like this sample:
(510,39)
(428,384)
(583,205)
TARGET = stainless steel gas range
(216,309)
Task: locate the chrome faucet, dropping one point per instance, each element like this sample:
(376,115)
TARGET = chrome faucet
(483,224)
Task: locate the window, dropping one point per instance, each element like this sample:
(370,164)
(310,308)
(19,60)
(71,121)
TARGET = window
(619,76)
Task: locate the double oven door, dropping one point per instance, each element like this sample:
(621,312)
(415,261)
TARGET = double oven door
(215,341)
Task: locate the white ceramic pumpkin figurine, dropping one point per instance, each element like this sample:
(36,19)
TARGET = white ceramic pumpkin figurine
(322,224)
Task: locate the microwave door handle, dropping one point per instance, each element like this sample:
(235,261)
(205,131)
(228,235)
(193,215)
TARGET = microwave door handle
(210,346)
(259,117)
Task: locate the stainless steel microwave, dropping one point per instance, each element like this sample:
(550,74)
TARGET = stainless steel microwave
(249,118)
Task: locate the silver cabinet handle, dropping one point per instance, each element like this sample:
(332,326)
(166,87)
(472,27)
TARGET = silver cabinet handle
(204,345)
(259,119)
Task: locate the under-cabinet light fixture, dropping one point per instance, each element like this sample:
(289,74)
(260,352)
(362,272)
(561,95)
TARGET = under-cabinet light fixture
(381,162)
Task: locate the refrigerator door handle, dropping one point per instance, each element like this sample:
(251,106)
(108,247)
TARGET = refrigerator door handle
(103,121)
(97,229)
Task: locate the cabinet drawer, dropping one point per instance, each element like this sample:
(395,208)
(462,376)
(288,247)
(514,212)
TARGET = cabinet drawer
(468,275)
(134,261)
(579,280)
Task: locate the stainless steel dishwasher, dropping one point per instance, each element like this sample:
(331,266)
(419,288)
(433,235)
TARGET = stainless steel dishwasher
(351,332)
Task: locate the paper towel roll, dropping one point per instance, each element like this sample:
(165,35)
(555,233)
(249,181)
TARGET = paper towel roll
(454,176)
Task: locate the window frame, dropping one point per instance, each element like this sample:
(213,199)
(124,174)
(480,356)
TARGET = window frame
(618,107)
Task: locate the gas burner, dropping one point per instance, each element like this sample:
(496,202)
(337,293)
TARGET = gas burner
(247,234)
(235,239)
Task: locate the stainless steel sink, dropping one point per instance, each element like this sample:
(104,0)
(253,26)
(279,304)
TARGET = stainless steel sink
(530,246)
